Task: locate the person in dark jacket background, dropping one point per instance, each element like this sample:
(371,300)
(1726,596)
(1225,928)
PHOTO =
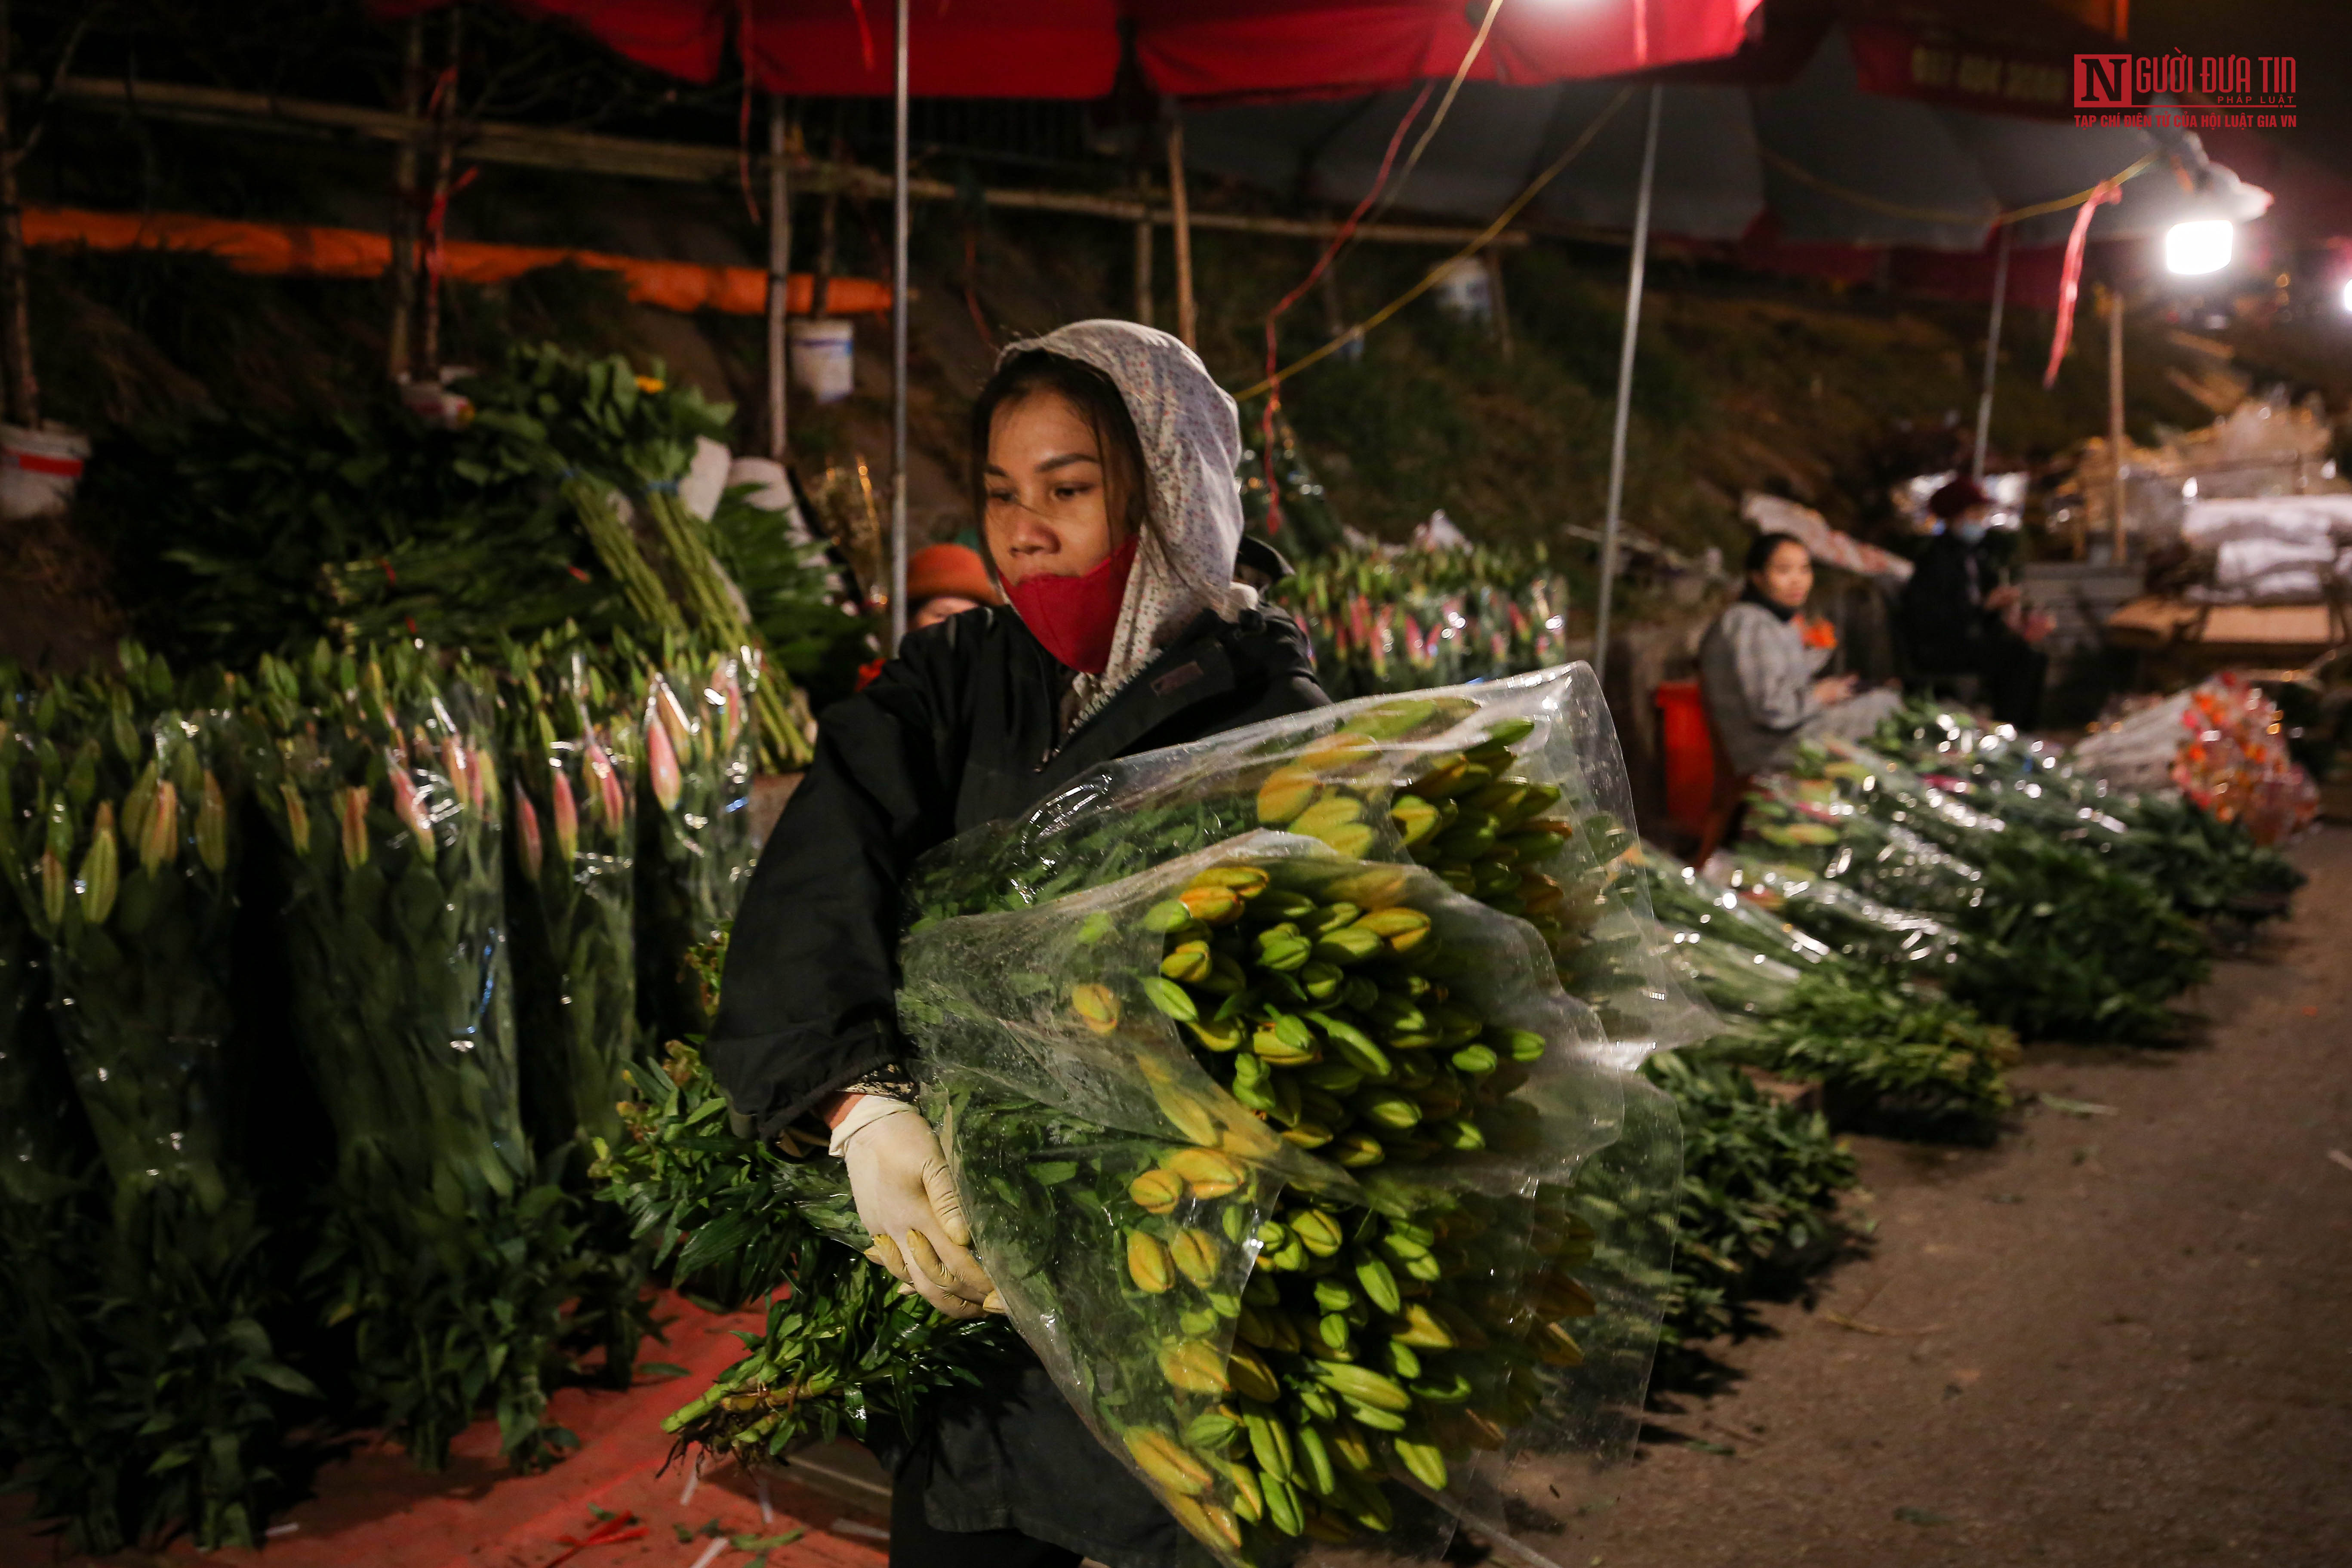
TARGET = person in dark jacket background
(1103,456)
(1957,617)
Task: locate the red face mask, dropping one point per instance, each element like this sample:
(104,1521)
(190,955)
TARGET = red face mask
(1074,618)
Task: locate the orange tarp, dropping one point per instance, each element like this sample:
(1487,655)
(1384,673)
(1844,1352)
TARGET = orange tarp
(305,250)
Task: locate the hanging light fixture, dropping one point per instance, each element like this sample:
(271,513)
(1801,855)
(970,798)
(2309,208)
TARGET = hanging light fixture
(2200,246)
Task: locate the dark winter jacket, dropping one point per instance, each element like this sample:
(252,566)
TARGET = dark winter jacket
(958,731)
(1941,616)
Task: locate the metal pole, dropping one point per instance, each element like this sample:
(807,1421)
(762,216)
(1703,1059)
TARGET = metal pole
(779,262)
(1992,356)
(2116,409)
(1625,387)
(898,347)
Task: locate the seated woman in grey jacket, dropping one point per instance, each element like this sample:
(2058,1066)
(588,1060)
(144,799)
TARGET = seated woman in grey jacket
(1763,684)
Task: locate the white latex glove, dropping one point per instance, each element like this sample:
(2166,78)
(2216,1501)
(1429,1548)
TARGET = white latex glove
(907,1200)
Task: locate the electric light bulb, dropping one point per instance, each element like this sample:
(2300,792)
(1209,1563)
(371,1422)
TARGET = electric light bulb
(2190,248)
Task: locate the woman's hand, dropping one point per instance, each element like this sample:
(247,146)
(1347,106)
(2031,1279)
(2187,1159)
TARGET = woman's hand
(907,1200)
(1835,689)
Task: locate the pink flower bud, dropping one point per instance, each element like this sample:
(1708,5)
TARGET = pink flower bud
(527,844)
(567,821)
(409,806)
(661,762)
(355,836)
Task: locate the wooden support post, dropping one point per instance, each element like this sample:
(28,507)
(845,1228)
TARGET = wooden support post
(828,226)
(1179,210)
(445,156)
(780,266)
(1143,250)
(899,223)
(22,394)
(1992,357)
(403,270)
(1492,260)
(2115,302)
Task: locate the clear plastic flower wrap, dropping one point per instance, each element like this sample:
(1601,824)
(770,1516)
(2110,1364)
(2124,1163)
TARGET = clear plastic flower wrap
(1806,822)
(702,744)
(2087,946)
(2204,864)
(448,1251)
(1849,922)
(1889,1054)
(1293,1159)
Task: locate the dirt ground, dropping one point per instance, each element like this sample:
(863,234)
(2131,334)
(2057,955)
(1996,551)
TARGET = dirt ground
(2121,1337)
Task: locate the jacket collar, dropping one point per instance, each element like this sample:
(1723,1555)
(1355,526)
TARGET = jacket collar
(1196,668)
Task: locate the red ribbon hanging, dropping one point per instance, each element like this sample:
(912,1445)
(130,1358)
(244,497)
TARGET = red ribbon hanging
(436,218)
(743,118)
(2070,278)
(1345,231)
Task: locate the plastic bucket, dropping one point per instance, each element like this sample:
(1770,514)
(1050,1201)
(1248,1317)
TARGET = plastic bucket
(39,469)
(1690,752)
(1465,291)
(822,358)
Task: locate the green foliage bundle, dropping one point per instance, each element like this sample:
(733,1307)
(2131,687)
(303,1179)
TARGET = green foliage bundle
(732,1219)
(1885,1053)
(605,434)
(2203,865)
(556,504)
(1760,1185)
(2074,946)
(152,1394)
(449,1251)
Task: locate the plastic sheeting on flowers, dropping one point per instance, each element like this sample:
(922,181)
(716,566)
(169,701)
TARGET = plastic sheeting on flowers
(701,745)
(1293,1160)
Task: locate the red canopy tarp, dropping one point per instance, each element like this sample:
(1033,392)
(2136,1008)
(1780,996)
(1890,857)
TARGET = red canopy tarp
(1191,48)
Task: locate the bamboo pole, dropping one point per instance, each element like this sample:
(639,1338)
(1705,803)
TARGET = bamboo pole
(1992,357)
(507,144)
(21,396)
(1615,520)
(403,270)
(1180,205)
(898,226)
(779,262)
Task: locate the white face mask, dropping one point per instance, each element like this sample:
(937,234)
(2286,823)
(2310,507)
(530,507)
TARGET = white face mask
(1972,531)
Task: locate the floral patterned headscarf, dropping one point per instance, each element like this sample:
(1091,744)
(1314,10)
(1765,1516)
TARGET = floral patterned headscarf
(1191,431)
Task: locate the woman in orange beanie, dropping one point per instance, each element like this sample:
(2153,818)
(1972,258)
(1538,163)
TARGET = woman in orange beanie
(946,580)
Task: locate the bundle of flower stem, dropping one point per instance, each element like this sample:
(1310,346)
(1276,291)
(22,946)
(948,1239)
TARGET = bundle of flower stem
(448,1251)
(1292,1305)
(1886,1054)
(608,434)
(2204,865)
(2084,948)
(694,842)
(1389,620)
(574,754)
(734,1219)
(166,1401)
(1390,1323)
(1758,1197)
